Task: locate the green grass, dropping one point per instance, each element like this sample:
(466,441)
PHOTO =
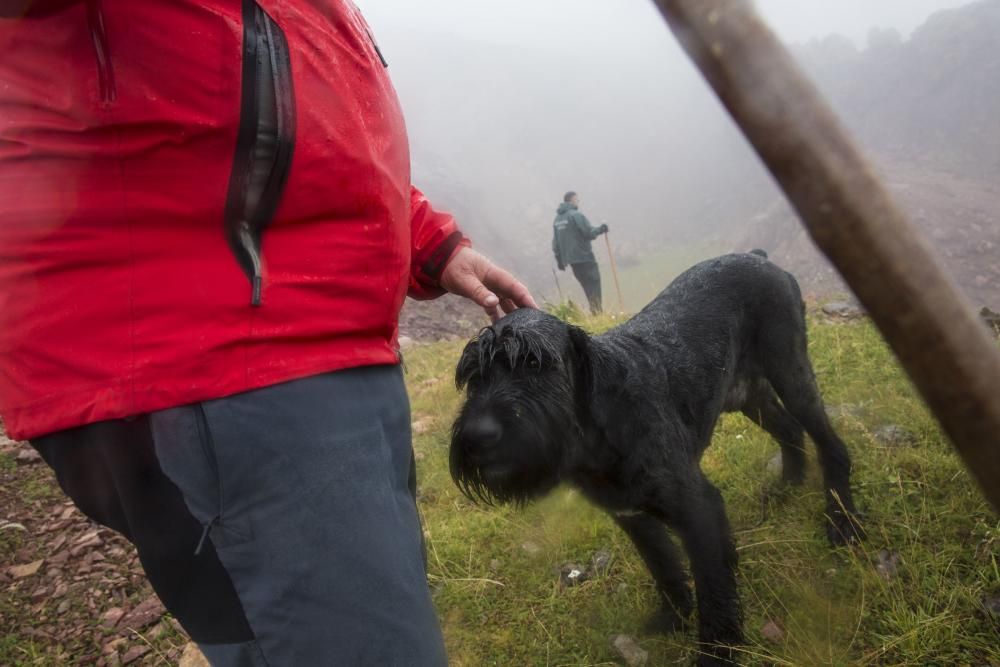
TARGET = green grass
(495,571)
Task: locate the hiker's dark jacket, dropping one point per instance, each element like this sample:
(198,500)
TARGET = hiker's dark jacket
(572,234)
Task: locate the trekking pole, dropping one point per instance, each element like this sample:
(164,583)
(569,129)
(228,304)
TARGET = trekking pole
(555,277)
(614,272)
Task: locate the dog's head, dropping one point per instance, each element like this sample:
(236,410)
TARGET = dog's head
(525,381)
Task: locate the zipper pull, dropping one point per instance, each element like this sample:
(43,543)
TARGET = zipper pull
(204,535)
(256,280)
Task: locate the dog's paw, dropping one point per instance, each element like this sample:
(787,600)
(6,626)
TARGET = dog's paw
(843,528)
(665,621)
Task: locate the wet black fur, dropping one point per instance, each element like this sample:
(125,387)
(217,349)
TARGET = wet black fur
(625,417)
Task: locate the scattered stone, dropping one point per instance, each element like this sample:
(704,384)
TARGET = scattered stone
(112,616)
(422,425)
(134,654)
(113,645)
(63,607)
(893,435)
(888,564)
(24,571)
(28,456)
(773,633)
(495,565)
(572,574)
(39,594)
(600,563)
(630,651)
(148,612)
(842,310)
(531,548)
(406,343)
(192,657)
(92,541)
(775,465)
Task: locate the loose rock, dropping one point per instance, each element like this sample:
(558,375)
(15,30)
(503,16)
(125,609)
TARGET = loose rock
(775,465)
(600,563)
(192,657)
(888,564)
(28,456)
(893,435)
(531,548)
(773,633)
(842,310)
(24,571)
(134,654)
(630,651)
(148,612)
(572,574)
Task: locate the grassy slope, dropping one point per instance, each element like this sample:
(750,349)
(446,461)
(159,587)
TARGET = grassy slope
(501,603)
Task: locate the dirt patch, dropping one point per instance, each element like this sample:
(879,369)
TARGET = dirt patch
(447,318)
(71,591)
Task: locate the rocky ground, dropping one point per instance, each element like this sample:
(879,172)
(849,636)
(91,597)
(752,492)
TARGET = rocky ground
(72,592)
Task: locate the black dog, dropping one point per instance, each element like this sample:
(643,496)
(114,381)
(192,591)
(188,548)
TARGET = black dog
(625,417)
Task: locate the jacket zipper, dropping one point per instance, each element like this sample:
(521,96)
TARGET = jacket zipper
(245,223)
(102,51)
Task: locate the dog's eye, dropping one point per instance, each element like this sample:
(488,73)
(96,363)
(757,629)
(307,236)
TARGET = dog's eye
(533,363)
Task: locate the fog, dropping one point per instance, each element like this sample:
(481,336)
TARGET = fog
(510,104)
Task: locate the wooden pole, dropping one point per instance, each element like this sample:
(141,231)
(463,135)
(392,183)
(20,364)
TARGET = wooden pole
(849,214)
(614,272)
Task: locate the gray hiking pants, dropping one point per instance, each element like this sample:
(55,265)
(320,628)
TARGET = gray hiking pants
(278,526)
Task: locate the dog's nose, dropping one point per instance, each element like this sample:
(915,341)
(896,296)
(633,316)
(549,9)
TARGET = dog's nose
(482,431)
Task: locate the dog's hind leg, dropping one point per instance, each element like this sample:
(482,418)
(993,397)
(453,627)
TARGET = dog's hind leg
(698,514)
(767,412)
(661,556)
(790,373)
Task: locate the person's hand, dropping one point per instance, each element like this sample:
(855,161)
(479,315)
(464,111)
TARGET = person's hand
(603,229)
(471,275)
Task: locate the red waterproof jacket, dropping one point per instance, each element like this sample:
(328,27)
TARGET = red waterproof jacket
(135,272)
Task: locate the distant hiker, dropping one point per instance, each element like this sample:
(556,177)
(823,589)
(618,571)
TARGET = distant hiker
(571,239)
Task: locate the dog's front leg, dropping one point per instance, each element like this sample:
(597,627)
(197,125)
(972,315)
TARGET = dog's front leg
(658,551)
(696,511)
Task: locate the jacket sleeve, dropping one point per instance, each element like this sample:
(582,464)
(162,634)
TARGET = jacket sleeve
(588,231)
(555,249)
(434,239)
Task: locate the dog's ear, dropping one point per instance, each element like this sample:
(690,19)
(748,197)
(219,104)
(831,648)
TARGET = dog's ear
(468,364)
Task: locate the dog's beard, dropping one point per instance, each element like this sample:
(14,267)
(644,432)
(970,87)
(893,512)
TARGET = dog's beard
(522,466)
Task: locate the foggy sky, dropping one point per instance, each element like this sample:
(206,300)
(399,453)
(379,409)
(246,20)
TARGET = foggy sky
(629,24)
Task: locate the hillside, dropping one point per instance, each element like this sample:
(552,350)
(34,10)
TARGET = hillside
(927,111)
(499,134)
